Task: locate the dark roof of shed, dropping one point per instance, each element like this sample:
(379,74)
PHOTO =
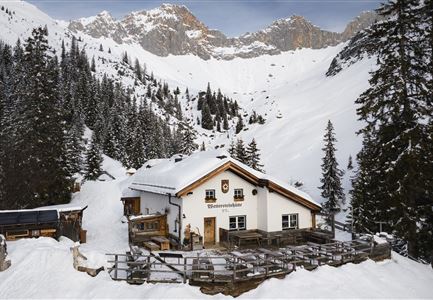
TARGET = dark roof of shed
(28,217)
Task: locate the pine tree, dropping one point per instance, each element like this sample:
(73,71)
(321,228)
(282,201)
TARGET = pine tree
(232,149)
(366,204)
(395,108)
(137,155)
(350,163)
(239,125)
(40,133)
(331,188)
(206,118)
(203,147)
(125,58)
(254,156)
(93,65)
(93,161)
(137,70)
(187,138)
(241,153)
(425,234)
(225,122)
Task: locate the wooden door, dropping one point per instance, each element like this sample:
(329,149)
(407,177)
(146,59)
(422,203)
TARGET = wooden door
(209,230)
(136,206)
(132,206)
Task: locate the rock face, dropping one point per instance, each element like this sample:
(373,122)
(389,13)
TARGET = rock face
(173,29)
(291,33)
(364,20)
(361,44)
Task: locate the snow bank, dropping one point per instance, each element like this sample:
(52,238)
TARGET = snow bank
(42,268)
(398,277)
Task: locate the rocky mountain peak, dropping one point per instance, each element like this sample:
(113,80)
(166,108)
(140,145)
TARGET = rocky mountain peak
(105,14)
(173,29)
(361,22)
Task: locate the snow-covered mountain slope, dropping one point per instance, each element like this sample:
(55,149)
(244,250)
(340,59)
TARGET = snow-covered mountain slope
(293,94)
(289,89)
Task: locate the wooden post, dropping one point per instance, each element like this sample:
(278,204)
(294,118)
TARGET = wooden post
(148,268)
(313,220)
(234,270)
(333,224)
(184,269)
(115,266)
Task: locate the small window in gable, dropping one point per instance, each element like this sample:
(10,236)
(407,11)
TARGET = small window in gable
(210,196)
(239,194)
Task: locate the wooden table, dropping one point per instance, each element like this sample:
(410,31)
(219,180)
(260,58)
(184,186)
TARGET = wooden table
(163,242)
(251,236)
(151,246)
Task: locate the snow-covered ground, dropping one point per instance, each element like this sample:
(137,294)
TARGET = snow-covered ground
(42,268)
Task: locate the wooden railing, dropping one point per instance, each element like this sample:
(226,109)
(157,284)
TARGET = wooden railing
(239,266)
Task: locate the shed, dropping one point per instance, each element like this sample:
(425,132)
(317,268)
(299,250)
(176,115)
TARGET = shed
(66,221)
(28,223)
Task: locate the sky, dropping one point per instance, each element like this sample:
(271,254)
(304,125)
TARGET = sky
(232,17)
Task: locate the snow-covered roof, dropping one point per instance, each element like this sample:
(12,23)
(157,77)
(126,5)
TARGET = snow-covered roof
(59,208)
(128,193)
(170,176)
(139,217)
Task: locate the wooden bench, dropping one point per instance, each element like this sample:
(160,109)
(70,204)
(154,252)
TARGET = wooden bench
(151,246)
(164,243)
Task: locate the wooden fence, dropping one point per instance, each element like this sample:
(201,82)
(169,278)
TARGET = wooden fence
(237,266)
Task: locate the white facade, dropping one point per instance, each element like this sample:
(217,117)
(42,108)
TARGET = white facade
(196,209)
(186,181)
(262,211)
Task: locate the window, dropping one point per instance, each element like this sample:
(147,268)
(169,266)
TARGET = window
(290,221)
(152,226)
(210,195)
(239,194)
(238,223)
(148,226)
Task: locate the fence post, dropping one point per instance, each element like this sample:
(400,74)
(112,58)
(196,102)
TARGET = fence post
(234,270)
(148,268)
(184,269)
(115,266)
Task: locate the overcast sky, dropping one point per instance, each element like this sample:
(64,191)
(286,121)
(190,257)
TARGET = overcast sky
(231,17)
